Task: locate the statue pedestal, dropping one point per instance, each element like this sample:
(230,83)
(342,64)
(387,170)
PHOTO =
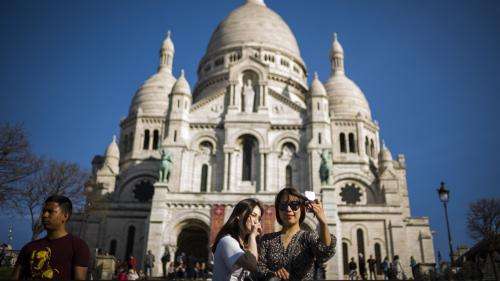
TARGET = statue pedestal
(105,267)
(334,266)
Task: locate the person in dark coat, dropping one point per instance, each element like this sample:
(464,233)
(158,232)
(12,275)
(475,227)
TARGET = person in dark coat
(362,266)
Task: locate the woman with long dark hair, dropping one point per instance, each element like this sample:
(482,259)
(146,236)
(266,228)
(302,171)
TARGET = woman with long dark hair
(290,254)
(235,247)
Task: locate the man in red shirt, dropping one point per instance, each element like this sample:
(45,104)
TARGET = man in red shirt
(57,256)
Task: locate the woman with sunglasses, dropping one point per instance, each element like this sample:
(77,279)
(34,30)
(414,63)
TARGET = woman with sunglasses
(235,246)
(289,254)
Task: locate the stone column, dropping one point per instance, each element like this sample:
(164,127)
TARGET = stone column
(262,161)
(262,96)
(334,266)
(226,171)
(232,96)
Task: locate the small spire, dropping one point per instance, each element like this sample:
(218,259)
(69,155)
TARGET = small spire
(168,33)
(114,138)
(182,72)
(383,144)
(337,56)
(316,75)
(258,2)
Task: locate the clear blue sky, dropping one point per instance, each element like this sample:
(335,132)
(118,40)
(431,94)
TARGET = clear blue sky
(429,69)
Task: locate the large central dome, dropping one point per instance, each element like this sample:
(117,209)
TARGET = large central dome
(254,24)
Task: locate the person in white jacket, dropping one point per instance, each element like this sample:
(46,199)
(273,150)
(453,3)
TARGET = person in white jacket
(235,247)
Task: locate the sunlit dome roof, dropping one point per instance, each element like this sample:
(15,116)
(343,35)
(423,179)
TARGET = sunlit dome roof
(152,96)
(254,24)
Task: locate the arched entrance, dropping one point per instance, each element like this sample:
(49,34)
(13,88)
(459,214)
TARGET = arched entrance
(193,242)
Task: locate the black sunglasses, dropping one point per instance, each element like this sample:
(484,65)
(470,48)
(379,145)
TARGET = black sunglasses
(294,205)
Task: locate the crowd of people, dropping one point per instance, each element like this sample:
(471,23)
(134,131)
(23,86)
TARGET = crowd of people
(240,251)
(390,270)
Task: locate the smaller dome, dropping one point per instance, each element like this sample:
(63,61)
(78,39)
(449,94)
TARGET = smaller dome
(346,98)
(168,44)
(182,85)
(152,96)
(385,154)
(317,88)
(112,150)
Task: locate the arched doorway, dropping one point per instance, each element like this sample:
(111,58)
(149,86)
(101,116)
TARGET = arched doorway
(193,242)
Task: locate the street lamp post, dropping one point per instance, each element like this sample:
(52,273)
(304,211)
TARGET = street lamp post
(444,196)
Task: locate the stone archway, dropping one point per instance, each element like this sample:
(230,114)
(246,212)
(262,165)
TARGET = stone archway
(193,241)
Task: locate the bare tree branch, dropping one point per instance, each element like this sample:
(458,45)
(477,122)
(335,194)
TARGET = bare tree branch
(483,220)
(16,160)
(61,178)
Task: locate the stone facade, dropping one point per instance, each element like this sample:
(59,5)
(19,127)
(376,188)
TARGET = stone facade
(251,126)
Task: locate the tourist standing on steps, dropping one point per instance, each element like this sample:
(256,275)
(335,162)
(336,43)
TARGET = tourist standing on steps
(413,265)
(235,246)
(352,270)
(165,259)
(385,265)
(291,252)
(149,264)
(57,256)
(362,266)
(371,267)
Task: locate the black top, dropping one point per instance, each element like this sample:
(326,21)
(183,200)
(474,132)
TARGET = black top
(298,258)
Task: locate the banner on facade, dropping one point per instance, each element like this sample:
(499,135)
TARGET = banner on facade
(268,219)
(216,220)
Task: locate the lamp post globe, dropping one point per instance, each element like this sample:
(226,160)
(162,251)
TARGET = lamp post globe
(444,196)
(443,193)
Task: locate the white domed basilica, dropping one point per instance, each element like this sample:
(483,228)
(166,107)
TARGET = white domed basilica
(251,126)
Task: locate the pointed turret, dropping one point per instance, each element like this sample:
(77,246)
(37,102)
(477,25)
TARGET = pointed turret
(337,56)
(317,88)
(112,151)
(113,156)
(178,130)
(385,157)
(182,85)
(167,54)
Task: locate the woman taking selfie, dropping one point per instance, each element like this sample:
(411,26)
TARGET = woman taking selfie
(235,247)
(289,254)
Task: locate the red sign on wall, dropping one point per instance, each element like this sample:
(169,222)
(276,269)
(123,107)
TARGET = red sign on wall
(216,220)
(268,219)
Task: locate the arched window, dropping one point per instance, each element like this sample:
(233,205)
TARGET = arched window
(156,139)
(247,159)
(289,176)
(361,242)
(372,148)
(130,142)
(345,257)
(342,143)
(318,106)
(146,140)
(378,257)
(319,138)
(112,247)
(367,147)
(175,135)
(130,242)
(204,178)
(125,143)
(352,143)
